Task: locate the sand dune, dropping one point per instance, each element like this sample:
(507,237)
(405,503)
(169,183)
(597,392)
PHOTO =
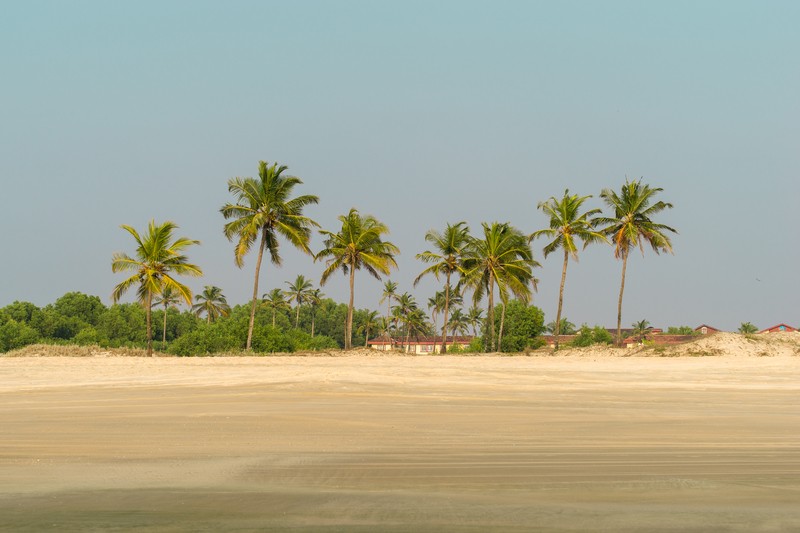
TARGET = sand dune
(590,440)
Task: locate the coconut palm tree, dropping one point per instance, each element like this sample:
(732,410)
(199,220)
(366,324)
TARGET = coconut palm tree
(358,244)
(406,304)
(445,259)
(370,322)
(170,300)
(564,326)
(632,226)
(299,291)
(157,260)
(475,318)
(314,299)
(641,328)
(436,304)
(211,302)
(275,300)
(389,293)
(502,257)
(459,322)
(567,226)
(264,210)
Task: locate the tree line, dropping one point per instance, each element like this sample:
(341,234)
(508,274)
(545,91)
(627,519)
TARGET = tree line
(495,265)
(500,258)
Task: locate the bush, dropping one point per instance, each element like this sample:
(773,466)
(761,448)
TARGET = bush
(588,336)
(15,335)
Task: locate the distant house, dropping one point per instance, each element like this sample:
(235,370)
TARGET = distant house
(417,345)
(778,328)
(705,329)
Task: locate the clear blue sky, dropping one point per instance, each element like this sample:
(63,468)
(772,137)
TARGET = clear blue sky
(420,113)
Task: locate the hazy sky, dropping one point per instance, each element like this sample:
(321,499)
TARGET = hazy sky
(420,113)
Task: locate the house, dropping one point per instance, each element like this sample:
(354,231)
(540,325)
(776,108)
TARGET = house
(705,329)
(779,328)
(417,345)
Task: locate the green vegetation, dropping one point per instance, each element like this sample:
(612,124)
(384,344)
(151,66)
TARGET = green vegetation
(496,265)
(588,336)
(747,328)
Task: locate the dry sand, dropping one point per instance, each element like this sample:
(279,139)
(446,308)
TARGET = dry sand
(588,441)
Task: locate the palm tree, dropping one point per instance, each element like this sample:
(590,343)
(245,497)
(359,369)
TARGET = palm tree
(211,302)
(157,260)
(170,300)
(389,293)
(641,328)
(459,322)
(264,210)
(445,259)
(299,291)
(567,224)
(275,300)
(564,326)
(502,257)
(416,324)
(370,321)
(313,299)
(632,225)
(436,304)
(475,318)
(358,244)
(406,304)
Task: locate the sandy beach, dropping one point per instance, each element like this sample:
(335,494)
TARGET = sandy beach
(585,442)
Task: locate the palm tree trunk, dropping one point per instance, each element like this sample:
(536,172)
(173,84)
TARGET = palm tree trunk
(313,319)
(297,316)
(149,315)
(273,317)
(164,332)
(255,291)
(446,309)
(348,335)
(366,339)
(502,324)
(490,313)
(621,290)
(561,297)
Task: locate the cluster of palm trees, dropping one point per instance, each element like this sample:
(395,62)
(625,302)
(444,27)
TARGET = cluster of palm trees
(497,263)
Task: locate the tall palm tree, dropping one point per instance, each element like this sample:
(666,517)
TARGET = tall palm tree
(389,293)
(502,257)
(211,302)
(299,291)
(632,225)
(567,225)
(475,318)
(358,244)
(265,210)
(157,260)
(275,300)
(314,299)
(445,259)
(170,300)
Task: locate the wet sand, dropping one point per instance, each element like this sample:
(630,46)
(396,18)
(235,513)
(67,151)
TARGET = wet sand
(391,443)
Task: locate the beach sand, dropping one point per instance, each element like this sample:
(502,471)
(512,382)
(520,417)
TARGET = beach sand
(577,442)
